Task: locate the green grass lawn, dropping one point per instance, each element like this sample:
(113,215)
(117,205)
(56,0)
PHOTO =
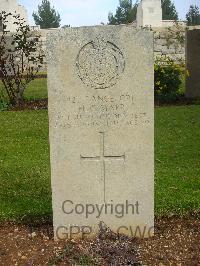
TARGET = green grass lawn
(177,155)
(37,89)
(25,191)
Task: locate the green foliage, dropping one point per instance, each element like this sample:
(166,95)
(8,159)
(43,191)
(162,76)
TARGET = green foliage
(47,17)
(125,13)
(3,105)
(169,10)
(193,16)
(21,57)
(175,36)
(168,79)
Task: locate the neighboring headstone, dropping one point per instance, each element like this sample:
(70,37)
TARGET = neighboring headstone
(149,13)
(100,86)
(193,63)
(12,6)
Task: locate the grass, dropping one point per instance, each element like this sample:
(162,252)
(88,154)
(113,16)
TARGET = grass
(177,153)
(24,165)
(25,191)
(37,89)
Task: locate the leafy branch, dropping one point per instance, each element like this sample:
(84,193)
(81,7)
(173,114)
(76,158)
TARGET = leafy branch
(21,57)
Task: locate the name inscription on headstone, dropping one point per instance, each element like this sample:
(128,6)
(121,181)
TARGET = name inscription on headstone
(94,111)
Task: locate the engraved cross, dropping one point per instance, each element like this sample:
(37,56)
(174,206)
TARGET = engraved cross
(102,158)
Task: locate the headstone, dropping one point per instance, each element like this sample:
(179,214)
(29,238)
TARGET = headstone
(13,7)
(149,13)
(193,63)
(100,86)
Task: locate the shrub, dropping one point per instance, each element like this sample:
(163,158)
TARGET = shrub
(168,79)
(21,57)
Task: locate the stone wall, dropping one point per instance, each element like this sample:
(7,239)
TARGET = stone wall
(167,41)
(43,33)
(170,42)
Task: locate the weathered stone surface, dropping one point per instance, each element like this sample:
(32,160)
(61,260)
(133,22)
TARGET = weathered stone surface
(193,63)
(100,90)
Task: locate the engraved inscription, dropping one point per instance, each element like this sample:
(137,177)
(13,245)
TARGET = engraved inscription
(102,111)
(102,158)
(100,64)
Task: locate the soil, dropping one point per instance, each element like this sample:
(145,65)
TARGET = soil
(43,104)
(31,105)
(178,102)
(176,242)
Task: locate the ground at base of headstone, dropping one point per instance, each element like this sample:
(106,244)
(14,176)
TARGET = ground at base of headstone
(176,242)
(43,104)
(31,105)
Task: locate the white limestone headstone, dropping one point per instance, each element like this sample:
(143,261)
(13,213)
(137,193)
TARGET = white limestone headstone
(149,13)
(100,86)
